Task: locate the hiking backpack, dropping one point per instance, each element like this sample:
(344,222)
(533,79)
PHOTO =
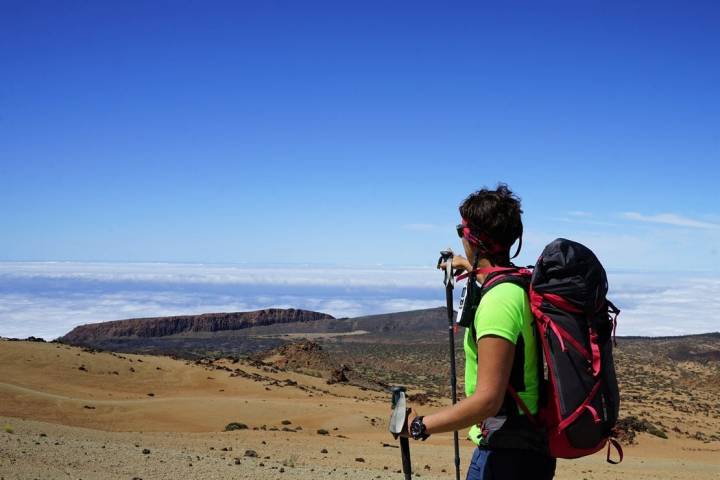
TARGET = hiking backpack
(575,326)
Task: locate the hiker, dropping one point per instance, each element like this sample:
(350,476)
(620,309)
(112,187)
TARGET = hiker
(500,350)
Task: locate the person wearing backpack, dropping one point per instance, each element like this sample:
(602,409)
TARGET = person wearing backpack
(500,351)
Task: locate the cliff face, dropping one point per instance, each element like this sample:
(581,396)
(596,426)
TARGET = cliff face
(208,322)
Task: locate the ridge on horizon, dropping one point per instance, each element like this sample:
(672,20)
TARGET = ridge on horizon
(177,324)
(273,316)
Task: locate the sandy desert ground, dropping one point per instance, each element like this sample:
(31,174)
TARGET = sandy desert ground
(66,412)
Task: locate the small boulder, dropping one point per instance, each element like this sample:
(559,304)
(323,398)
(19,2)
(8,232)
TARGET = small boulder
(235,426)
(338,375)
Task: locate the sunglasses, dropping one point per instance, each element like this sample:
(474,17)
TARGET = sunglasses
(460,228)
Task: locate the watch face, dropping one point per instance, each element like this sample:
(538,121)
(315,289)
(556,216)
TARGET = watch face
(416,427)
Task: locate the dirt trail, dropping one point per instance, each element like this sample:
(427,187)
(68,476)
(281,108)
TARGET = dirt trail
(71,413)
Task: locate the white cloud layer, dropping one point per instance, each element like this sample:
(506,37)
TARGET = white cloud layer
(177,273)
(49,299)
(663,304)
(670,219)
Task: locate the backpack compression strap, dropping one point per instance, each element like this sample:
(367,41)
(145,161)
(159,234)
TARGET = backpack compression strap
(614,443)
(519,401)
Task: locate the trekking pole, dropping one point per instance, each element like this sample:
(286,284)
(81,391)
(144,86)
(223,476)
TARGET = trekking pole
(398,423)
(449,281)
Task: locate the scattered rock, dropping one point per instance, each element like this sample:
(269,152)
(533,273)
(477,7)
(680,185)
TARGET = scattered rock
(626,428)
(360,459)
(146,451)
(419,398)
(251,453)
(235,426)
(338,375)
(286,422)
(324,450)
(322,431)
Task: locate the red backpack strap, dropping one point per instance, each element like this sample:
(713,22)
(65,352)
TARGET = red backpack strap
(498,275)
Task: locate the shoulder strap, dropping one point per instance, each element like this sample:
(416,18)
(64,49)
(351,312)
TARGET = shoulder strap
(517,276)
(521,278)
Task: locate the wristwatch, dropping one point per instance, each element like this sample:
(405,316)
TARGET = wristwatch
(418,430)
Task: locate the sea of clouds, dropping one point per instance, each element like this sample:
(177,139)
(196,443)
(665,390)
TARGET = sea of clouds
(50,298)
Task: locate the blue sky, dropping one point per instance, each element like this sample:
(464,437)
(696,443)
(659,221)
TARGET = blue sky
(348,133)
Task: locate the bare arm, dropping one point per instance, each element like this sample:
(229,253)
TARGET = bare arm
(495,359)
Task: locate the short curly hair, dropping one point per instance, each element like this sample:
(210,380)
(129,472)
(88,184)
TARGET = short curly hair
(496,214)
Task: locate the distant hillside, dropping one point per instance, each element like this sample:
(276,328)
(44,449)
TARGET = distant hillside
(242,333)
(387,325)
(166,326)
(700,347)
(427,320)
(245,333)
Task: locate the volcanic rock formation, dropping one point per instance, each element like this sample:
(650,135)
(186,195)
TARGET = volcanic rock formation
(207,322)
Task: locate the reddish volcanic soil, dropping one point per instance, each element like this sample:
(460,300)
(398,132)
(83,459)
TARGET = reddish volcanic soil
(70,413)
